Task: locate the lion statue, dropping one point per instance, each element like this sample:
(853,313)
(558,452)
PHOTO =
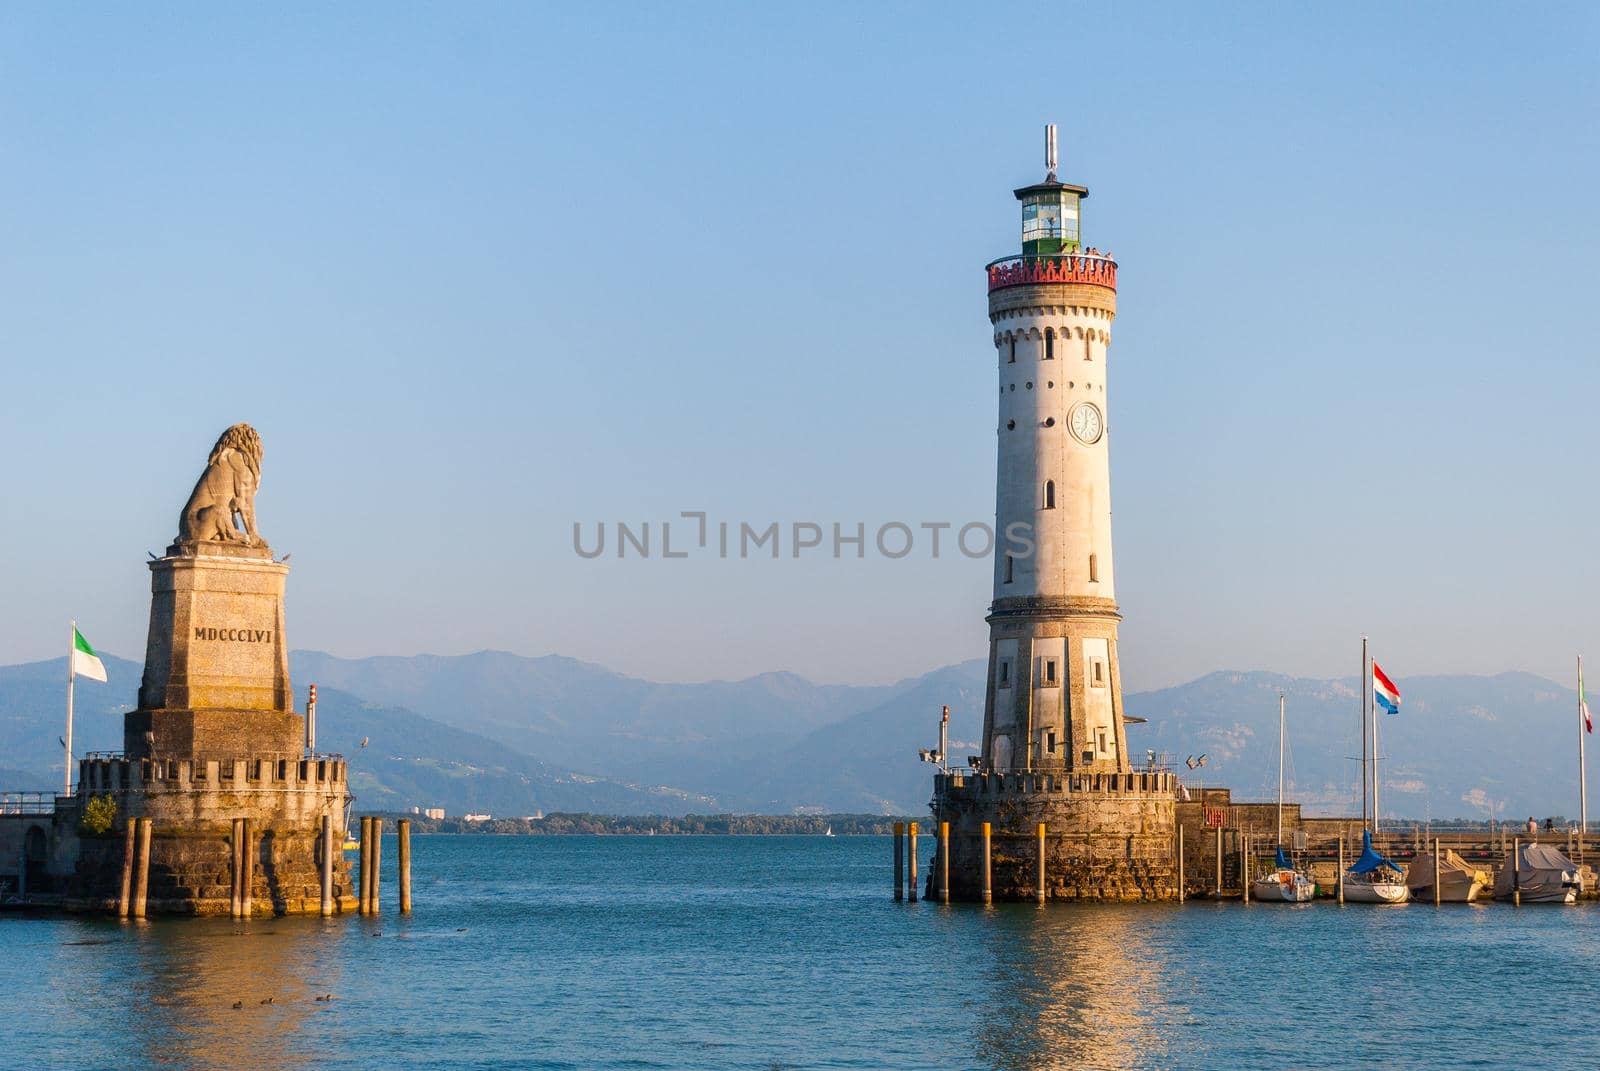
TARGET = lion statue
(225,490)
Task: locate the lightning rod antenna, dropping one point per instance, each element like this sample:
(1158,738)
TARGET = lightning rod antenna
(1050,152)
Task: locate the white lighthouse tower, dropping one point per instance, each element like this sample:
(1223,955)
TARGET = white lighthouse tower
(1054,694)
(1053,809)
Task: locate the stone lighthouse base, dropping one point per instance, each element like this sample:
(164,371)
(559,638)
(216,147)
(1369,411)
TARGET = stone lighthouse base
(1107,836)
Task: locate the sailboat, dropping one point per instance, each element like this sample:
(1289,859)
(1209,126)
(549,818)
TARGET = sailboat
(1374,879)
(1285,883)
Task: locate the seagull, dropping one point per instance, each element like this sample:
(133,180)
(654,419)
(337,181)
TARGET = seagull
(1189,762)
(238,1004)
(364,740)
(267,1001)
(325,997)
(1201,761)
(284,558)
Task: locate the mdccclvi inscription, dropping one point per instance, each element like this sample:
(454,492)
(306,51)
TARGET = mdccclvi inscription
(234,635)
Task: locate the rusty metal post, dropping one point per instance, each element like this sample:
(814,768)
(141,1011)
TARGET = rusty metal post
(1340,874)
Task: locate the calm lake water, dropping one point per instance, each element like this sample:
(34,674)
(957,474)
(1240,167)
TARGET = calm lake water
(787,952)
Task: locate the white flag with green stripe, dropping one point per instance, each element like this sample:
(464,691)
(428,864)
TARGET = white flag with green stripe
(85,663)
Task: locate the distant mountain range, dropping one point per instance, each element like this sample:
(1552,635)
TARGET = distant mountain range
(509,735)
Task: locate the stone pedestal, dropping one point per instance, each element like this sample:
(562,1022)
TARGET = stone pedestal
(1107,836)
(216,631)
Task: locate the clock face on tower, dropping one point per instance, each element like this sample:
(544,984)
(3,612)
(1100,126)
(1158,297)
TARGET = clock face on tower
(1085,423)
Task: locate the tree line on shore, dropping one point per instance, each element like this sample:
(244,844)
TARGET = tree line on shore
(843,825)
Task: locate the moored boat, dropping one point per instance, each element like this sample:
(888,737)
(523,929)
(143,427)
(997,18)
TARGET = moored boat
(1540,874)
(1375,878)
(1459,881)
(1284,884)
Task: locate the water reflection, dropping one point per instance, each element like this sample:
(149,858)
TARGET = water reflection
(1078,986)
(185,976)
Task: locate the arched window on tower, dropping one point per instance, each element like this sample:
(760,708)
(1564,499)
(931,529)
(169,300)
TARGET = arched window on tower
(1049,494)
(1010,568)
(1013,359)
(1087,355)
(1049,343)
(1094,570)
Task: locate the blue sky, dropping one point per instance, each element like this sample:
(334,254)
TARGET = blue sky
(478,272)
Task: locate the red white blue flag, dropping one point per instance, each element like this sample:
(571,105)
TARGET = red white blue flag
(1384,691)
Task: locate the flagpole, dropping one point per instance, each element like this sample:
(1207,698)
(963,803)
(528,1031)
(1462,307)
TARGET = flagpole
(1366,679)
(1583,779)
(1372,704)
(72,645)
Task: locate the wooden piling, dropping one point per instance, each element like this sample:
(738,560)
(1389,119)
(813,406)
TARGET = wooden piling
(236,858)
(247,868)
(1180,861)
(911,861)
(377,864)
(1516,872)
(366,865)
(141,869)
(403,832)
(1436,873)
(944,862)
(1244,869)
(988,890)
(899,860)
(1039,892)
(129,841)
(1217,889)
(327,865)
(1340,872)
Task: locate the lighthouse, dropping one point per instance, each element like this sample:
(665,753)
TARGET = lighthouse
(1053,808)
(1054,696)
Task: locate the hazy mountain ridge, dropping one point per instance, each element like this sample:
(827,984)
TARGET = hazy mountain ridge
(507,734)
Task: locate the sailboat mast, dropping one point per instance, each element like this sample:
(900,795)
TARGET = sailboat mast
(1366,679)
(1280,769)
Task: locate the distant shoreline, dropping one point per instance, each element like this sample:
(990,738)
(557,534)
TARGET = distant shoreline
(694,825)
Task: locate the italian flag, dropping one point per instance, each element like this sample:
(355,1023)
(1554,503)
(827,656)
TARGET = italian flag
(85,663)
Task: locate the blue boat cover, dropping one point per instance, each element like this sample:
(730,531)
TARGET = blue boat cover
(1370,860)
(1283,861)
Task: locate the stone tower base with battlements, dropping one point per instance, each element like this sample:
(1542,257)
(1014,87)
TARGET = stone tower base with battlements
(1107,836)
